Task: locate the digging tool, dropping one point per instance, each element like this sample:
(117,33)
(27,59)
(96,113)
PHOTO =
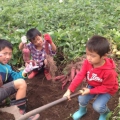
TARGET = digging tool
(44,107)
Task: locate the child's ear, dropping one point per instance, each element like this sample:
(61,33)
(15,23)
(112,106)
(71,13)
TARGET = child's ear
(105,55)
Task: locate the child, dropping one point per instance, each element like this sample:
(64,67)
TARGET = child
(101,78)
(12,82)
(38,50)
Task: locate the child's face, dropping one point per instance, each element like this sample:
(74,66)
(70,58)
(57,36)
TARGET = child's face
(94,58)
(5,55)
(38,41)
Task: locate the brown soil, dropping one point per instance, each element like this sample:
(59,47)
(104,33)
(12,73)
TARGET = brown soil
(6,116)
(41,92)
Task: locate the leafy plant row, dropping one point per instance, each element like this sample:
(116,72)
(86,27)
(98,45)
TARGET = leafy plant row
(70,23)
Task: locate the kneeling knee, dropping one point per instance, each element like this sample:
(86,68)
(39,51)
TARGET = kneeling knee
(23,83)
(97,108)
(20,83)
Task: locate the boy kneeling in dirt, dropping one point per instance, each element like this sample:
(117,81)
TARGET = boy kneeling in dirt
(101,78)
(38,50)
(12,82)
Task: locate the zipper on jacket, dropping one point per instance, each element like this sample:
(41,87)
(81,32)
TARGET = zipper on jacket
(6,74)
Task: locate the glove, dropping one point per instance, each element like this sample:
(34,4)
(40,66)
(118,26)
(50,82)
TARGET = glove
(48,38)
(29,68)
(24,39)
(67,94)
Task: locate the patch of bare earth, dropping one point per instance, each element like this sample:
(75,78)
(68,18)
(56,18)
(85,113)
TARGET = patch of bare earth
(41,91)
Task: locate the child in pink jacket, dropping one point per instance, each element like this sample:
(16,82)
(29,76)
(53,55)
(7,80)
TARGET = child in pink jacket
(101,78)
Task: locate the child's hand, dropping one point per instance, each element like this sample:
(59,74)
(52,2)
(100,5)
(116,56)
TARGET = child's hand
(29,68)
(48,38)
(24,39)
(85,91)
(67,94)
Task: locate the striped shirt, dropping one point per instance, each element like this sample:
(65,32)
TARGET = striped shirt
(39,55)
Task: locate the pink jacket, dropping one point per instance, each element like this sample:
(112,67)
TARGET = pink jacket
(103,79)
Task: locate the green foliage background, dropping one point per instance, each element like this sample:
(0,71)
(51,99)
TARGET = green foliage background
(70,23)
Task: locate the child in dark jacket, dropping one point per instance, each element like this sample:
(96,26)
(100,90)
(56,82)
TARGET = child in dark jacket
(101,78)
(11,81)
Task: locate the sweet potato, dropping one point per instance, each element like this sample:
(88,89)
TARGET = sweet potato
(65,82)
(26,54)
(59,77)
(47,48)
(72,74)
(51,65)
(63,79)
(77,71)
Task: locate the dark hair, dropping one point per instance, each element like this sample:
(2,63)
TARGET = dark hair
(98,44)
(5,43)
(32,33)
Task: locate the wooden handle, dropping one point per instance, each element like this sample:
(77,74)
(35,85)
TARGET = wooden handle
(44,107)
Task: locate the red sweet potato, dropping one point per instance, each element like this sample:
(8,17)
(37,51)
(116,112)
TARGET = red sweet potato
(65,82)
(66,79)
(72,74)
(77,71)
(26,54)
(63,79)
(47,48)
(59,77)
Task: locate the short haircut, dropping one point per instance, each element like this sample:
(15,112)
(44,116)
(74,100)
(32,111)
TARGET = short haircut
(32,33)
(98,44)
(5,43)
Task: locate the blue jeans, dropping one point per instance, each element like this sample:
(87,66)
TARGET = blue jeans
(99,104)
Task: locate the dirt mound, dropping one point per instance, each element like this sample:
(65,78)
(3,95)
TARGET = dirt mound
(41,92)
